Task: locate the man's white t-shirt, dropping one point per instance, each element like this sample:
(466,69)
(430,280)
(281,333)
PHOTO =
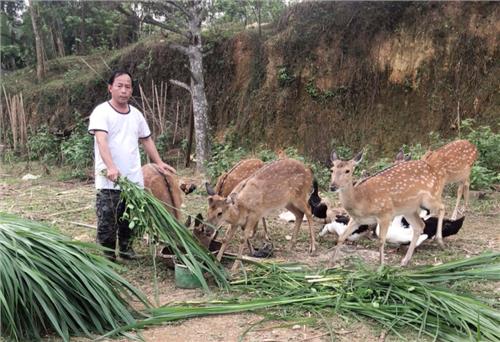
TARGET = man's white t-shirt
(124,131)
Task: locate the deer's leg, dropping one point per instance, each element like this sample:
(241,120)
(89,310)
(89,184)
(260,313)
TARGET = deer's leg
(418,227)
(227,238)
(298,221)
(303,207)
(460,193)
(248,232)
(351,226)
(466,193)
(384,223)
(432,202)
(251,236)
(266,235)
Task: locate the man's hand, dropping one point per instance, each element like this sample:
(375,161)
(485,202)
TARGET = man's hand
(165,168)
(112,174)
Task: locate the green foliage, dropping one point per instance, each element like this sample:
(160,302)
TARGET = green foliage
(380,165)
(344,152)
(321,173)
(483,178)
(486,141)
(162,142)
(224,156)
(77,151)
(416,151)
(266,155)
(246,11)
(486,170)
(43,146)
(312,90)
(284,76)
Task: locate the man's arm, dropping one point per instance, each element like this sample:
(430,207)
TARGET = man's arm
(150,148)
(102,144)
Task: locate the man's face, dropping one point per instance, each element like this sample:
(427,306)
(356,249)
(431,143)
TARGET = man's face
(121,89)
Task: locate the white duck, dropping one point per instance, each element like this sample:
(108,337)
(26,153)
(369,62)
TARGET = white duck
(339,226)
(401,233)
(288,216)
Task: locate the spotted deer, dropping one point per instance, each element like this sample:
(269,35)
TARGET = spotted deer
(229,180)
(282,183)
(455,161)
(240,171)
(166,188)
(401,189)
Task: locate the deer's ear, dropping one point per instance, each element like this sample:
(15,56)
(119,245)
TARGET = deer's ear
(333,156)
(188,221)
(400,156)
(198,220)
(210,190)
(408,157)
(231,199)
(358,158)
(210,201)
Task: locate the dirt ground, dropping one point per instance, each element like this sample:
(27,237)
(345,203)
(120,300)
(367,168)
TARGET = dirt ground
(69,205)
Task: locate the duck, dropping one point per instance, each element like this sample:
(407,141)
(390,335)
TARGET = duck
(288,216)
(318,207)
(400,231)
(339,226)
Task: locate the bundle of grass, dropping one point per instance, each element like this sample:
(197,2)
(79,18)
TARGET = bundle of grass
(51,284)
(149,216)
(400,300)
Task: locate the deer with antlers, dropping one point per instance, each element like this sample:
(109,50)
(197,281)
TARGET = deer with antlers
(455,161)
(401,189)
(282,183)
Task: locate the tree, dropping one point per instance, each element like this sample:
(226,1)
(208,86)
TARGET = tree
(185,19)
(40,60)
(10,42)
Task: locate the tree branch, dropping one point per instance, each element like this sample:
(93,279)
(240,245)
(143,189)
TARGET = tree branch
(182,49)
(150,20)
(180,8)
(181,84)
(122,10)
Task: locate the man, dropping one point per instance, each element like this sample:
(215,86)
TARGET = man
(117,128)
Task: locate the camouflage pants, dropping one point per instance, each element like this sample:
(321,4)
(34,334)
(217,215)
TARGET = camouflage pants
(109,209)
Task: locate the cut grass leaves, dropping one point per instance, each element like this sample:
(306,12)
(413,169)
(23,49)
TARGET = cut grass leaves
(51,284)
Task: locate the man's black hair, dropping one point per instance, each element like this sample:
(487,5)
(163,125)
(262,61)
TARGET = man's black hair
(118,73)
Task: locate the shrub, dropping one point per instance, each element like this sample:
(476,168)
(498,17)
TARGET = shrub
(486,141)
(224,156)
(43,146)
(77,151)
(486,170)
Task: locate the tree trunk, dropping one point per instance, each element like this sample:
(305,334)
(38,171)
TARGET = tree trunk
(59,39)
(198,96)
(40,62)
(259,20)
(200,107)
(83,31)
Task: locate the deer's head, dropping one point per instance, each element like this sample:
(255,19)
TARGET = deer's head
(402,157)
(342,171)
(219,208)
